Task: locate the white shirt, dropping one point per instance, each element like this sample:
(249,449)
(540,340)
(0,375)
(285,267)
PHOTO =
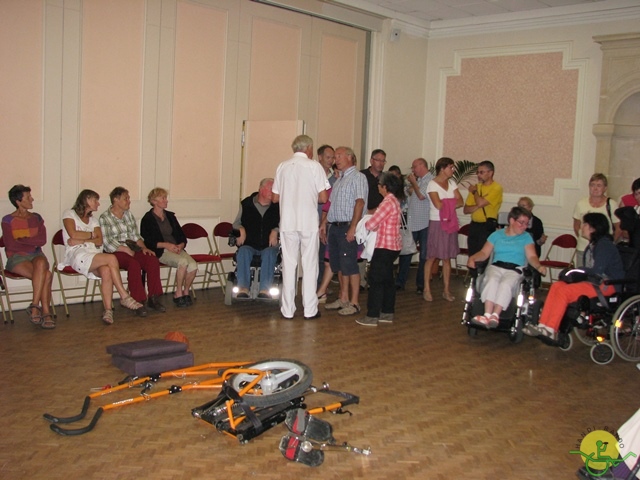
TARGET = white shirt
(298,182)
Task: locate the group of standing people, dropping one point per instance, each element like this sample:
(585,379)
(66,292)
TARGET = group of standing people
(99,249)
(313,210)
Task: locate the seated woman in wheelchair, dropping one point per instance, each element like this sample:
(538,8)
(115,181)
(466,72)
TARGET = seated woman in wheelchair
(512,247)
(601,259)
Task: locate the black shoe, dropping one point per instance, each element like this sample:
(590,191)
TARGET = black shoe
(399,287)
(188,300)
(419,290)
(242,295)
(264,295)
(313,317)
(154,302)
(181,302)
(141,312)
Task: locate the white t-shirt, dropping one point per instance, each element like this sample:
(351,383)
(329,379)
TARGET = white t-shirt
(434,213)
(298,181)
(79,256)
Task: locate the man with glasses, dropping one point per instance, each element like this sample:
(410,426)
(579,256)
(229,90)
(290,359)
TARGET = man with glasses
(483,203)
(377,161)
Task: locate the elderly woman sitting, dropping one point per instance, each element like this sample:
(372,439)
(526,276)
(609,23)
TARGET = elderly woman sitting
(512,248)
(24,235)
(163,234)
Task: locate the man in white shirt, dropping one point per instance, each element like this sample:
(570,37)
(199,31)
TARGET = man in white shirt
(300,184)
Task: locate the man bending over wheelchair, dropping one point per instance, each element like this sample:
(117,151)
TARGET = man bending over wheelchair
(512,248)
(257,221)
(601,259)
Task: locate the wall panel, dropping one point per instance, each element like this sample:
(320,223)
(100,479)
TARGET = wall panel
(197,127)
(111,94)
(518,111)
(21,57)
(340,88)
(276,56)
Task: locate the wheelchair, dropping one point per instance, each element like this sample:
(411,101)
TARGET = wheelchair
(232,289)
(610,325)
(524,307)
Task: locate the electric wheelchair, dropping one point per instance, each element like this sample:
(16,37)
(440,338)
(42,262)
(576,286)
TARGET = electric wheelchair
(232,290)
(608,324)
(524,307)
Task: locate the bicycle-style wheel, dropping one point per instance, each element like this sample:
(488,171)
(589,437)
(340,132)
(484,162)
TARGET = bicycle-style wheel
(586,335)
(286,380)
(625,329)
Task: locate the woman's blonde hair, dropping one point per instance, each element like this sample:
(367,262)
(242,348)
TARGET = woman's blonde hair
(155,193)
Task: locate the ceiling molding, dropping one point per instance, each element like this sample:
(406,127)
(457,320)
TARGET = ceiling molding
(596,12)
(551,17)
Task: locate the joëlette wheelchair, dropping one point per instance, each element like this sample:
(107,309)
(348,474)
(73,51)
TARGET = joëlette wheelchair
(232,290)
(524,307)
(608,324)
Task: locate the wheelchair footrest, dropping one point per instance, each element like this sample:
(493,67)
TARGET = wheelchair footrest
(302,423)
(299,450)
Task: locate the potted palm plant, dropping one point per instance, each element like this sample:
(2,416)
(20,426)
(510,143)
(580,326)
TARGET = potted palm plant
(463,170)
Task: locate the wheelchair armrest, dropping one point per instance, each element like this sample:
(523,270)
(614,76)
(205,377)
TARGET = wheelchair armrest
(233,237)
(481,267)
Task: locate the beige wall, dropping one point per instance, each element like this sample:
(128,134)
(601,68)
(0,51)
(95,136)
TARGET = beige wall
(143,93)
(568,171)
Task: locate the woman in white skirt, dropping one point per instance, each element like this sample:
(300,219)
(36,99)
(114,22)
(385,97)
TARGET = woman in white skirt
(442,242)
(83,241)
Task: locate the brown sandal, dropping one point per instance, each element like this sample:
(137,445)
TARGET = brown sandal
(48,323)
(34,319)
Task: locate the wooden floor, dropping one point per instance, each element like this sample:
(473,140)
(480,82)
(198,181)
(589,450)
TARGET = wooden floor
(435,404)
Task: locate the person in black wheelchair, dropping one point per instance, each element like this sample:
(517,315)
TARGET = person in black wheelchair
(602,262)
(257,236)
(512,249)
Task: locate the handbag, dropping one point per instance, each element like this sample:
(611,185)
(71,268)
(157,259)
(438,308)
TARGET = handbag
(408,243)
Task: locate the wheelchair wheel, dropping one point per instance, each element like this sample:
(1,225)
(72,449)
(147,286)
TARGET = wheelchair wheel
(565,341)
(602,353)
(625,330)
(586,335)
(516,334)
(287,379)
(228,289)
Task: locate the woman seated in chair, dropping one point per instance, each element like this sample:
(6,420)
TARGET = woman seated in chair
(512,249)
(82,238)
(600,258)
(163,234)
(24,235)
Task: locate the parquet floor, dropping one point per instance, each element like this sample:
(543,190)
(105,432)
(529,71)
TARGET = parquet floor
(434,403)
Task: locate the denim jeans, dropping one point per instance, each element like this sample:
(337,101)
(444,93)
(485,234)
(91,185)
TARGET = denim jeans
(269,258)
(420,237)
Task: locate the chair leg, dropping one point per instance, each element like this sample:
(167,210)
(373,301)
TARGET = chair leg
(64,297)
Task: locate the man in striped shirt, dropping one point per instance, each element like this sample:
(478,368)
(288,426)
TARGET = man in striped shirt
(348,199)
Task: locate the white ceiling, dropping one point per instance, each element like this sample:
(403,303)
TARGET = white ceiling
(436,10)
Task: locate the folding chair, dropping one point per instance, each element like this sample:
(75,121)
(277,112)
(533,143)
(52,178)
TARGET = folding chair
(193,231)
(4,290)
(566,241)
(222,230)
(57,241)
